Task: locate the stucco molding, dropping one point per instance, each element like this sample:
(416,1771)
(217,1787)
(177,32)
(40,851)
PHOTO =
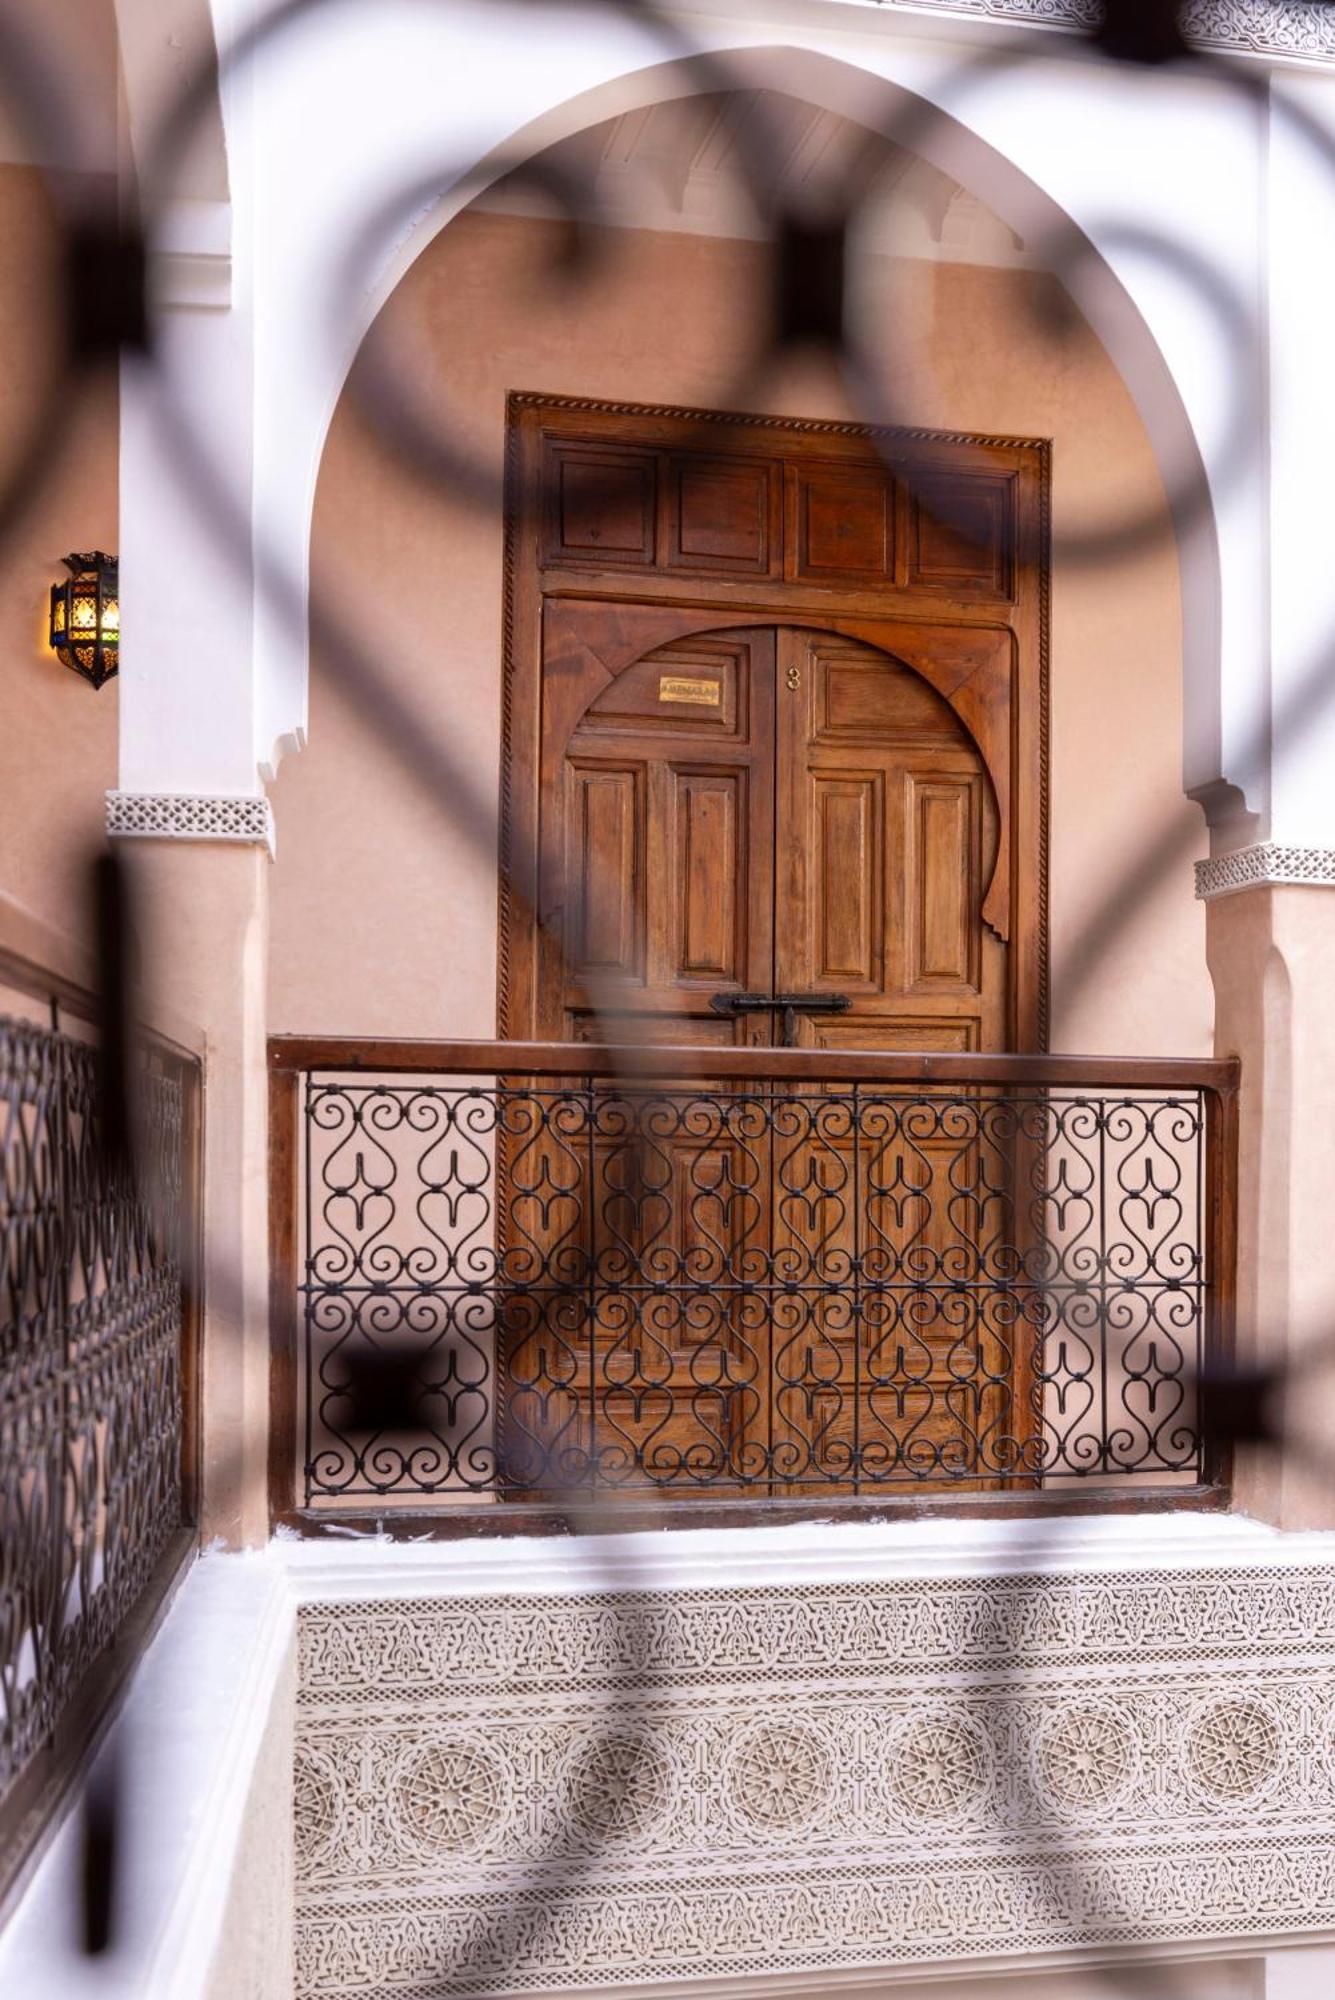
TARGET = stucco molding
(1296,30)
(1264,865)
(235,816)
(191,262)
(605,1788)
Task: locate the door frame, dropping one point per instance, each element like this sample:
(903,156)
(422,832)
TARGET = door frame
(1014,622)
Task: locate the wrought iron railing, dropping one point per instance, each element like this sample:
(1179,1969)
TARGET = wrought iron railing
(96,1340)
(537,1272)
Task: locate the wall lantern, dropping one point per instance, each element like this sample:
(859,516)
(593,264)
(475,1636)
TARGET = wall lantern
(86,617)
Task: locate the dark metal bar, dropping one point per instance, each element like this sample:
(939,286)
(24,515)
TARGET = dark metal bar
(857,1284)
(788,1005)
(284,1089)
(591,1282)
(1219,1333)
(1105,1452)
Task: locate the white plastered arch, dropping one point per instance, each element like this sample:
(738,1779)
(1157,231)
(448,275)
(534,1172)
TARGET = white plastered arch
(346,118)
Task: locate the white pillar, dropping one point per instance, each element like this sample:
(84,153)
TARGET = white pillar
(1301,277)
(190,799)
(1271,915)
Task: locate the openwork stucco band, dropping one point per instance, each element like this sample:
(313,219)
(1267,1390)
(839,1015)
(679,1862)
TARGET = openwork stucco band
(497,1793)
(1264,865)
(191,816)
(1284,28)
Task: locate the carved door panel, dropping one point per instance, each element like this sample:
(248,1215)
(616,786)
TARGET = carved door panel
(887,838)
(886,832)
(657,881)
(662,869)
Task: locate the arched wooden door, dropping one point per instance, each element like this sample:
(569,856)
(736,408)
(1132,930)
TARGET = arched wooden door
(766,834)
(765,814)
(772,772)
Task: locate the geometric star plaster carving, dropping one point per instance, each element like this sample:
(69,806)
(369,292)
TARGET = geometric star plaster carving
(1264,865)
(519,1794)
(228,816)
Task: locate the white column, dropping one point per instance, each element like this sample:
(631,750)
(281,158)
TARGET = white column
(188,682)
(1301,276)
(1271,917)
(190,800)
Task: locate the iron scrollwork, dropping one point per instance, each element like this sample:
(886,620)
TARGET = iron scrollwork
(91,1311)
(750,1289)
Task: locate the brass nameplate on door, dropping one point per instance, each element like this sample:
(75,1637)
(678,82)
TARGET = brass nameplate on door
(705,694)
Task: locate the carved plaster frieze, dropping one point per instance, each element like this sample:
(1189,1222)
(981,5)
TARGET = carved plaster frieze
(1262,865)
(1299,30)
(191,816)
(525,1793)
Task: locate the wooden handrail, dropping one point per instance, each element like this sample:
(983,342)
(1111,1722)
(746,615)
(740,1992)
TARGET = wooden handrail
(631,1061)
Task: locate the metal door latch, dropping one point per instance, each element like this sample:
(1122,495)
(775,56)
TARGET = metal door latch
(790,1005)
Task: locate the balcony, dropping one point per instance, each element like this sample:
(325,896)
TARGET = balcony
(552,1276)
(98,1339)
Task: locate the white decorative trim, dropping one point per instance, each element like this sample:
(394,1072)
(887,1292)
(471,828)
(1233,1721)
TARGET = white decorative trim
(191,816)
(354,1568)
(191,263)
(610,1786)
(1296,30)
(1265,863)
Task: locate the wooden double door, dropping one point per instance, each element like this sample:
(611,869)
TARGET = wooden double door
(770,834)
(773,775)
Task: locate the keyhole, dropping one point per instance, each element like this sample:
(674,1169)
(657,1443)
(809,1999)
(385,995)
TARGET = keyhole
(794,678)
